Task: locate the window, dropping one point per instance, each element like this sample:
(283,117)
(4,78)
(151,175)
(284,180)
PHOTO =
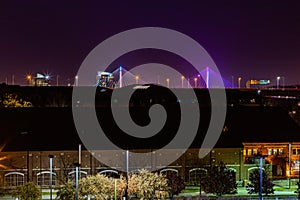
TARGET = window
(269,152)
(43,178)
(13,179)
(249,152)
(280,151)
(254,151)
(294,151)
(72,175)
(274,151)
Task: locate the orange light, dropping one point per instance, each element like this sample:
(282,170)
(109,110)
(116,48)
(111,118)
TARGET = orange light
(28,77)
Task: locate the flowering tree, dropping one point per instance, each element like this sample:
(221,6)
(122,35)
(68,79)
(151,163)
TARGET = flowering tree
(13,101)
(100,187)
(145,185)
(148,185)
(29,191)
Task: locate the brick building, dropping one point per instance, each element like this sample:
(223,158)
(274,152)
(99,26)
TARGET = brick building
(29,135)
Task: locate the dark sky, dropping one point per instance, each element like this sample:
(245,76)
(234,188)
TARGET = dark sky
(253,39)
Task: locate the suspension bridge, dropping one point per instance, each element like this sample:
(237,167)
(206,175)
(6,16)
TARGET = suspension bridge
(120,77)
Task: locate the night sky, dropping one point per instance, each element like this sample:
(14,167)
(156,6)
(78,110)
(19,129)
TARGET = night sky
(253,39)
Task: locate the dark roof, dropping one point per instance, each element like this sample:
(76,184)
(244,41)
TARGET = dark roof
(258,124)
(49,129)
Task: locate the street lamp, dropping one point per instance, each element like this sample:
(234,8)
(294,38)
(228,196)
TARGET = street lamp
(168,82)
(182,79)
(195,80)
(278,79)
(127,170)
(29,77)
(77,165)
(50,180)
(76,80)
(137,79)
(260,177)
(239,82)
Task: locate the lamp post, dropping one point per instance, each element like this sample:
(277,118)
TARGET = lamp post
(50,180)
(77,165)
(195,80)
(168,82)
(127,170)
(137,79)
(29,77)
(239,82)
(182,79)
(260,177)
(57,78)
(76,80)
(298,188)
(277,79)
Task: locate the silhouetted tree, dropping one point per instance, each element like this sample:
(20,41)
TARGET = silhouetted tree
(267,184)
(219,180)
(175,183)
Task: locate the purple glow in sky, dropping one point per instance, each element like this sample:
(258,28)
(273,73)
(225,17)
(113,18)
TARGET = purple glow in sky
(248,39)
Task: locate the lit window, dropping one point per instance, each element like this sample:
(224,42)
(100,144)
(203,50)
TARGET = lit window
(254,151)
(245,152)
(275,151)
(269,152)
(249,152)
(294,151)
(280,151)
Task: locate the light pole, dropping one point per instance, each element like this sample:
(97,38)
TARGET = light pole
(168,82)
(77,165)
(298,188)
(50,180)
(182,79)
(29,77)
(57,77)
(127,170)
(239,82)
(278,79)
(76,80)
(195,80)
(137,79)
(260,177)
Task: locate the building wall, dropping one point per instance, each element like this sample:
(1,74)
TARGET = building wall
(34,164)
(284,157)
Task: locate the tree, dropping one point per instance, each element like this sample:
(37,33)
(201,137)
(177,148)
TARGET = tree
(219,180)
(29,191)
(13,101)
(148,185)
(99,186)
(267,186)
(175,183)
(145,184)
(66,191)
